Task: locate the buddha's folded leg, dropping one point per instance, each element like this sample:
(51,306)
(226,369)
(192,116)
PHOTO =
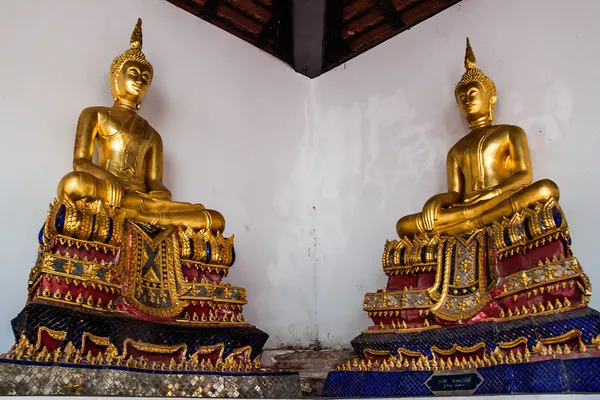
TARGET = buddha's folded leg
(447,217)
(145,202)
(79,185)
(453,219)
(540,191)
(409,225)
(170,213)
(469,217)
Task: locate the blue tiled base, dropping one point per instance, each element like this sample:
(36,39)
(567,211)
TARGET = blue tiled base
(586,320)
(553,376)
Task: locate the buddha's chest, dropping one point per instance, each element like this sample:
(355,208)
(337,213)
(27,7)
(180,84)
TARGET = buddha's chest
(483,158)
(123,142)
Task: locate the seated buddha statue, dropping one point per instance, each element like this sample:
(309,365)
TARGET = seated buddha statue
(486,268)
(129,169)
(143,276)
(488,170)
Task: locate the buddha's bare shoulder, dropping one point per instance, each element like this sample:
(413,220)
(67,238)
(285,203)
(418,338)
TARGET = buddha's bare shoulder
(94,112)
(511,129)
(460,145)
(154,135)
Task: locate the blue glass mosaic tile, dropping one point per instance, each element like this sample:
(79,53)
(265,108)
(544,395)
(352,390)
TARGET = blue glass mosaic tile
(412,385)
(511,330)
(344,384)
(583,375)
(376,384)
(584,320)
(540,377)
(381,384)
(587,320)
(495,380)
(422,341)
(553,376)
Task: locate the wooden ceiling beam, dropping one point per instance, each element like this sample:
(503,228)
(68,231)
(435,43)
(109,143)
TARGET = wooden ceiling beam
(309,33)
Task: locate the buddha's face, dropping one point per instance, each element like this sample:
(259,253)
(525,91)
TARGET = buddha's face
(474,102)
(133,81)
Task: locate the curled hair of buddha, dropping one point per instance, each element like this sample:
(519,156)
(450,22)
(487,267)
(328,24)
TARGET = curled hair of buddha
(134,53)
(474,74)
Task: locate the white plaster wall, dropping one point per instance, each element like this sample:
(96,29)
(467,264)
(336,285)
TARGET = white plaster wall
(384,121)
(310,175)
(232,120)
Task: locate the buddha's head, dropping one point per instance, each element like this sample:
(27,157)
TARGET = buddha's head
(131,73)
(475,93)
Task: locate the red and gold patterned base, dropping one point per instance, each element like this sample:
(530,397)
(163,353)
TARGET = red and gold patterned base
(509,270)
(90,258)
(110,291)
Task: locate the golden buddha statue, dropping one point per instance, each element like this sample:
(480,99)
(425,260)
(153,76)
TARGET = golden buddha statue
(115,250)
(128,174)
(495,248)
(488,170)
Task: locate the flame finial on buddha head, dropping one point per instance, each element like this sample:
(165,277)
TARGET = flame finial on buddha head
(134,53)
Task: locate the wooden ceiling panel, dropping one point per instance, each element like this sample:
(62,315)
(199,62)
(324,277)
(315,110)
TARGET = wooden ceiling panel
(374,17)
(420,10)
(233,29)
(237,18)
(260,12)
(355,26)
(355,8)
(374,36)
(313,42)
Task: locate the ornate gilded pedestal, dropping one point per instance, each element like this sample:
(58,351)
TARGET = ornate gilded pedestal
(484,295)
(500,310)
(112,302)
(123,308)
(127,296)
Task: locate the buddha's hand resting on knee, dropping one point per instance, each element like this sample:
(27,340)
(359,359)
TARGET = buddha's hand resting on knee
(483,194)
(430,213)
(160,195)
